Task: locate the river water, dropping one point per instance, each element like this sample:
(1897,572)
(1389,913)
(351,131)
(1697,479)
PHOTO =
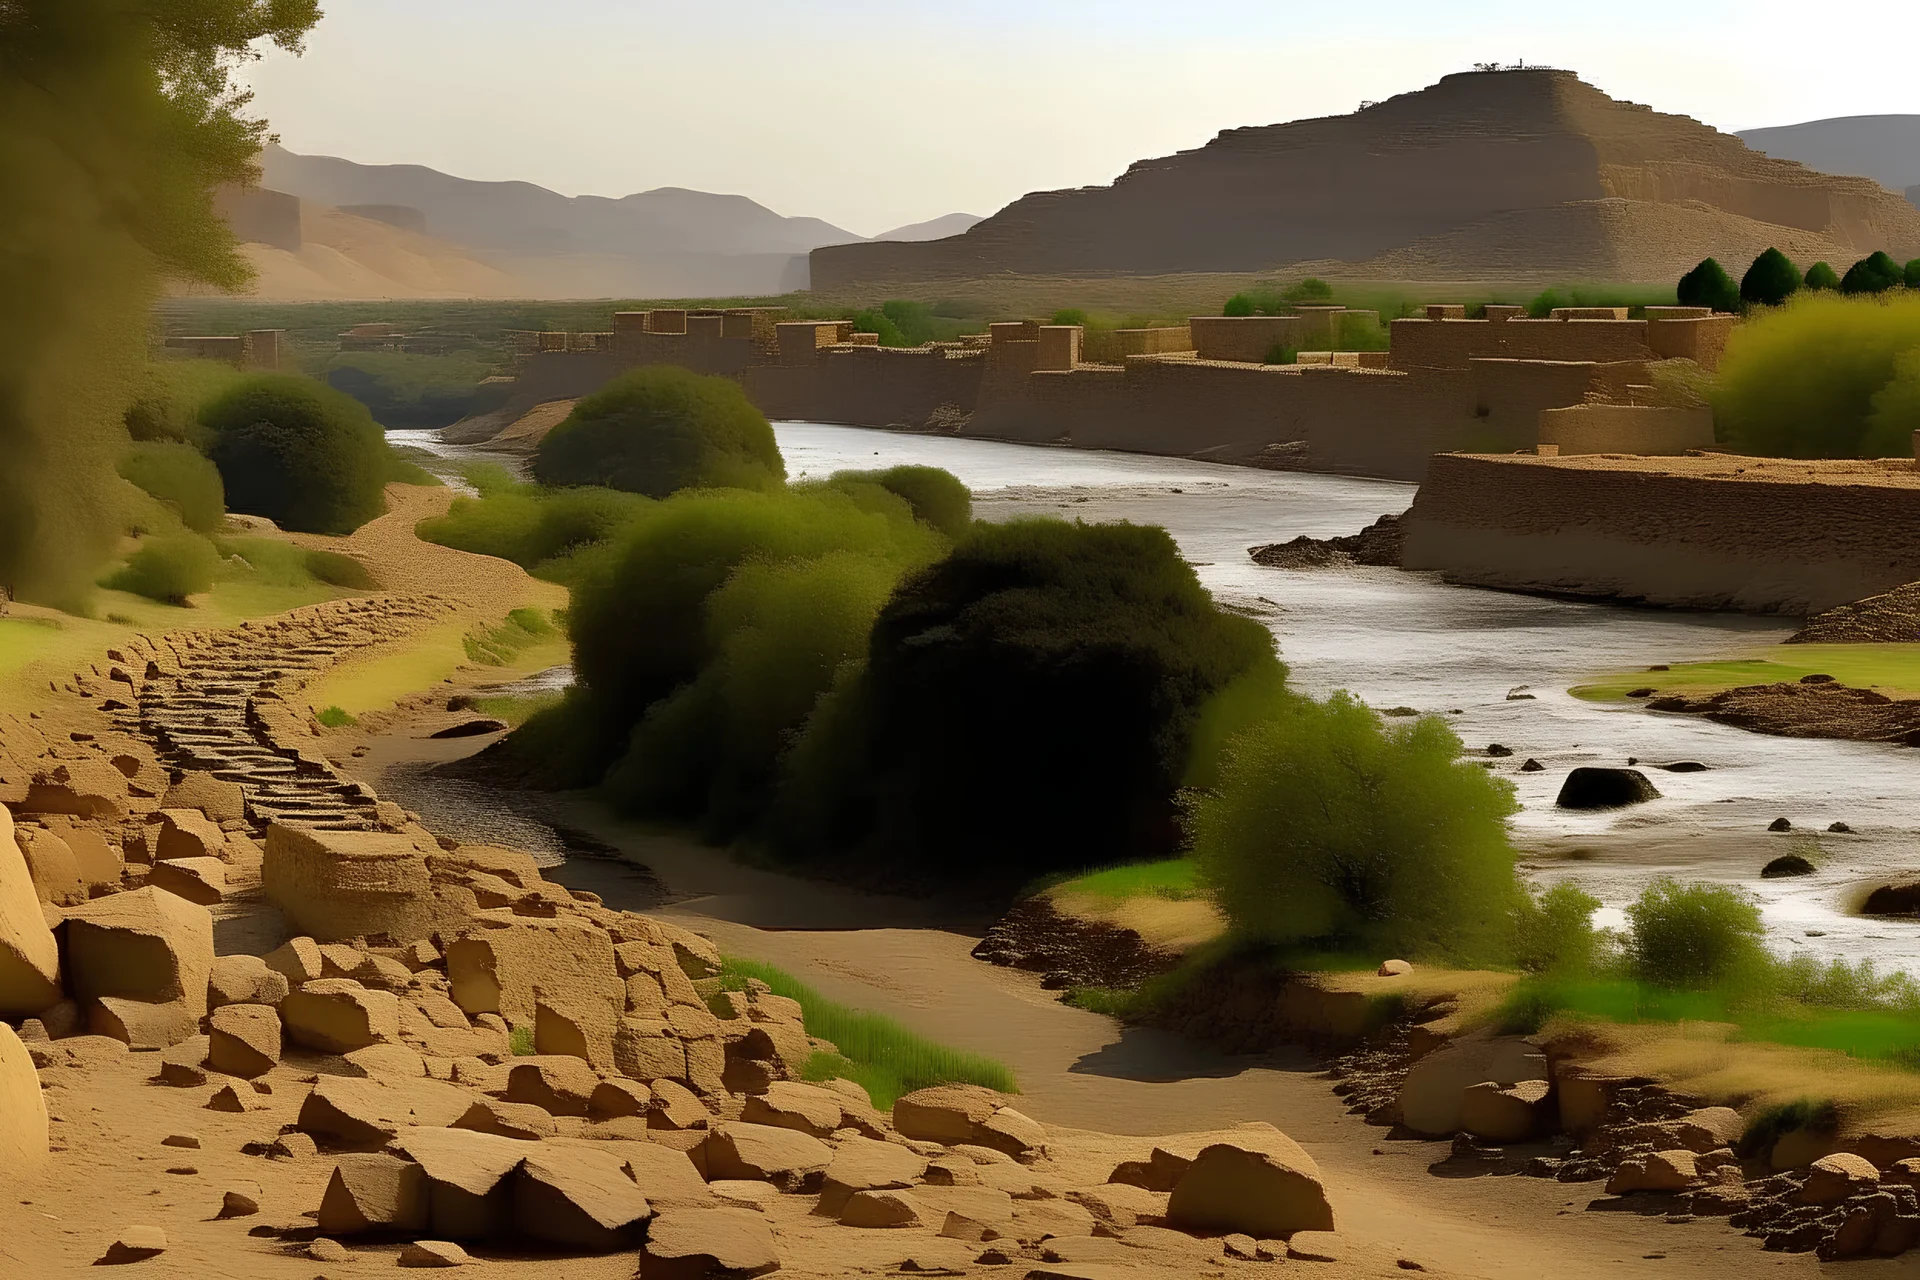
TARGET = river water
(1399,639)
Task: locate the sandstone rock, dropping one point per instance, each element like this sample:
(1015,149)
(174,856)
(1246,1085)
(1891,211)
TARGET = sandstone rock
(1037,1220)
(791,1160)
(244,979)
(441,1011)
(346,884)
(181,1065)
(387,1062)
(578,1198)
(220,801)
(79,788)
(1514,1114)
(620,1098)
(863,1164)
(141,1024)
(292,1146)
(227,1098)
(55,871)
(1584,1097)
(324,1250)
(366,1114)
(561,1085)
(186,833)
(708,1244)
(647,1049)
(518,1120)
(881,1209)
(1262,1183)
(241,1200)
(577,1028)
(374,1193)
(676,1107)
(667,1178)
(338,1015)
(201,880)
(805,1107)
(1009,1131)
(1593,787)
(134,1244)
(100,864)
(506,964)
(23,1110)
(1394,968)
(29,956)
(1119,1205)
(244,1040)
(946,1113)
(1435,1088)
(1831,1179)
(469,1195)
(1661,1171)
(434,1253)
(146,946)
(298,961)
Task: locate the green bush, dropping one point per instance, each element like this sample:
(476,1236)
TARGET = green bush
(935,496)
(1027,706)
(1806,380)
(1821,276)
(337,570)
(1708,285)
(1070,315)
(167,402)
(1694,935)
(538,529)
(1311,289)
(1771,280)
(1910,274)
(657,430)
(1875,273)
(1238,305)
(301,454)
(915,322)
(1332,829)
(169,568)
(1554,933)
(1896,406)
(335,718)
(870,321)
(414,391)
(180,476)
(1281,353)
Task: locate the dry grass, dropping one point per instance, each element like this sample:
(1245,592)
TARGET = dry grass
(1167,924)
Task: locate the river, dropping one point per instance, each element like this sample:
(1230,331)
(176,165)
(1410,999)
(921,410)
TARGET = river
(1474,656)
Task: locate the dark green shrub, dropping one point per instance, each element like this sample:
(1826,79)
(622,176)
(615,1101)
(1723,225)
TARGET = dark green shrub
(1554,932)
(180,476)
(1333,829)
(169,568)
(870,321)
(401,389)
(1027,706)
(1910,274)
(658,430)
(337,570)
(1312,289)
(913,321)
(1875,273)
(303,455)
(1694,935)
(1821,378)
(1238,305)
(1771,280)
(1070,315)
(1708,285)
(935,496)
(1820,276)
(170,394)
(535,528)
(1281,353)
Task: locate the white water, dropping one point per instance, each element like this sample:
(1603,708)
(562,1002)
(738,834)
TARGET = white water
(1400,639)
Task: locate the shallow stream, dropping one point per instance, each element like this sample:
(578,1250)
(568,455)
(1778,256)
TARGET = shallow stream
(1497,665)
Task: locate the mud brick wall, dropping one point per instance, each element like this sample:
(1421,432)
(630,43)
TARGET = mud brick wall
(1246,339)
(1715,532)
(1450,344)
(867,386)
(1626,428)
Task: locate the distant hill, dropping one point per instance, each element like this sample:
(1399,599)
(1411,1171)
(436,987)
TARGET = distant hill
(952,224)
(1483,176)
(1884,148)
(664,242)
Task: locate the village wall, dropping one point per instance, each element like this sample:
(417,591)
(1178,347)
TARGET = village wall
(1714,532)
(868,386)
(1647,430)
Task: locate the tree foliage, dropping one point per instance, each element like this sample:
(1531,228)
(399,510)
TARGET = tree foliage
(1331,828)
(1708,285)
(180,476)
(300,453)
(1028,705)
(660,429)
(117,120)
(1693,935)
(1771,280)
(1875,273)
(1821,276)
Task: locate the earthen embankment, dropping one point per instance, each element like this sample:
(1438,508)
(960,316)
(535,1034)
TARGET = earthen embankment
(1713,531)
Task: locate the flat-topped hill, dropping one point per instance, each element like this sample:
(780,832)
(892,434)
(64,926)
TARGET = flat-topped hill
(1485,175)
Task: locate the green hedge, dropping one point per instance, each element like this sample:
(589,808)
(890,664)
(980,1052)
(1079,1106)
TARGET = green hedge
(305,456)
(658,430)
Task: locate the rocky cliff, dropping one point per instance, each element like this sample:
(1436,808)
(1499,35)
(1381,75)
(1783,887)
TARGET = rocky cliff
(1475,177)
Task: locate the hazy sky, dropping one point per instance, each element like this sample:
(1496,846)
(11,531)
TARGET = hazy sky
(875,114)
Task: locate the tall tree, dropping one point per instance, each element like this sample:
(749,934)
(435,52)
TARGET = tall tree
(1708,285)
(118,118)
(1771,280)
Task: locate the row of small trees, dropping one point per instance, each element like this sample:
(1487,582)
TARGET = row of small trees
(1773,278)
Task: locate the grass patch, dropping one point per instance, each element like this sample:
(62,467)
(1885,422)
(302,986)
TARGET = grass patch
(334,718)
(520,1041)
(514,710)
(527,640)
(498,646)
(1893,669)
(876,1052)
(1172,878)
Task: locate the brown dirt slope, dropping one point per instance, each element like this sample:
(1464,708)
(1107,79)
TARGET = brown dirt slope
(1457,172)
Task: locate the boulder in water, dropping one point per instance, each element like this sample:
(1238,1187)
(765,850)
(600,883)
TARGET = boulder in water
(1787,864)
(1683,766)
(1901,898)
(1597,787)
(1780,824)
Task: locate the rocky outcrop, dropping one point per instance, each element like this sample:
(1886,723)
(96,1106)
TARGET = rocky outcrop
(29,957)
(1378,545)
(140,961)
(1259,1184)
(23,1112)
(1596,787)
